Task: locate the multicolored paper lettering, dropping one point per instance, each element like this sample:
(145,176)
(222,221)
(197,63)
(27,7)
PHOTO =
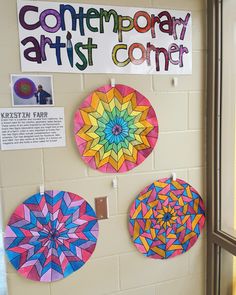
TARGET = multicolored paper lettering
(64,37)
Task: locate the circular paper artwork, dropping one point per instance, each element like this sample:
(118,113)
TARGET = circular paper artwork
(166,218)
(50,236)
(115,129)
(24,88)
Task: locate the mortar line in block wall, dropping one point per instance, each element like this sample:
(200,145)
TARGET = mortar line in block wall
(58,182)
(153,162)
(172,280)
(1,210)
(0,176)
(134,289)
(156,284)
(50,288)
(142,286)
(119,274)
(82,83)
(116,196)
(178,92)
(112,255)
(133,174)
(178,278)
(188,270)
(180,131)
(188,110)
(3,277)
(187,174)
(42,166)
(198,92)
(152,84)
(87,172)
(118,215)
(156,5)
(199,51)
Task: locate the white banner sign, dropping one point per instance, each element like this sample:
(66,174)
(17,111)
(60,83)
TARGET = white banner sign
(26,128)
(83,38)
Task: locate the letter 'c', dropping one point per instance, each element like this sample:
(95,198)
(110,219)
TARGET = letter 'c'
(114,55)
(22,17)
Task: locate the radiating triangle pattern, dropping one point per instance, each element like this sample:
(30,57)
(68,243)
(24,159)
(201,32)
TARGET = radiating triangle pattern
(166,218)
(115,129)
(50,236)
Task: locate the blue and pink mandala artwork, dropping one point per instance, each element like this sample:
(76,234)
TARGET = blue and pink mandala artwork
(50,236)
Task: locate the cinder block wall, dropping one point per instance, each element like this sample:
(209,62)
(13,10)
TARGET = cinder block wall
(116,267)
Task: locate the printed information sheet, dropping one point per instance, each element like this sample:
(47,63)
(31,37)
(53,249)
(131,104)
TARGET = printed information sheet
(26,128)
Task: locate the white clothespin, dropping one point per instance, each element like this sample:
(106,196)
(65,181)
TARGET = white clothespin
(113,82)
(115,183)
(41,189)
(173,176)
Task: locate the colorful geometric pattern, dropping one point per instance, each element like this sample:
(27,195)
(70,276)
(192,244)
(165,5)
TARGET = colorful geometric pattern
(166,218)
(50,236)
(115,129)
(24,88)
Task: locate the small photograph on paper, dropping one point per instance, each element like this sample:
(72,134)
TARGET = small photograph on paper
(32,90)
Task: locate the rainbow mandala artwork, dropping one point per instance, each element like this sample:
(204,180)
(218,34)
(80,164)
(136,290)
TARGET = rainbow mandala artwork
(50,236)
(166,219)
(24,88)
(115,128)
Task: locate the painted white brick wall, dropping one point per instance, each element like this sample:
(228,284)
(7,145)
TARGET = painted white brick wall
(116,267)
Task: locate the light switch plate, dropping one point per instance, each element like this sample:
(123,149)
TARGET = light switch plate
(101,207)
